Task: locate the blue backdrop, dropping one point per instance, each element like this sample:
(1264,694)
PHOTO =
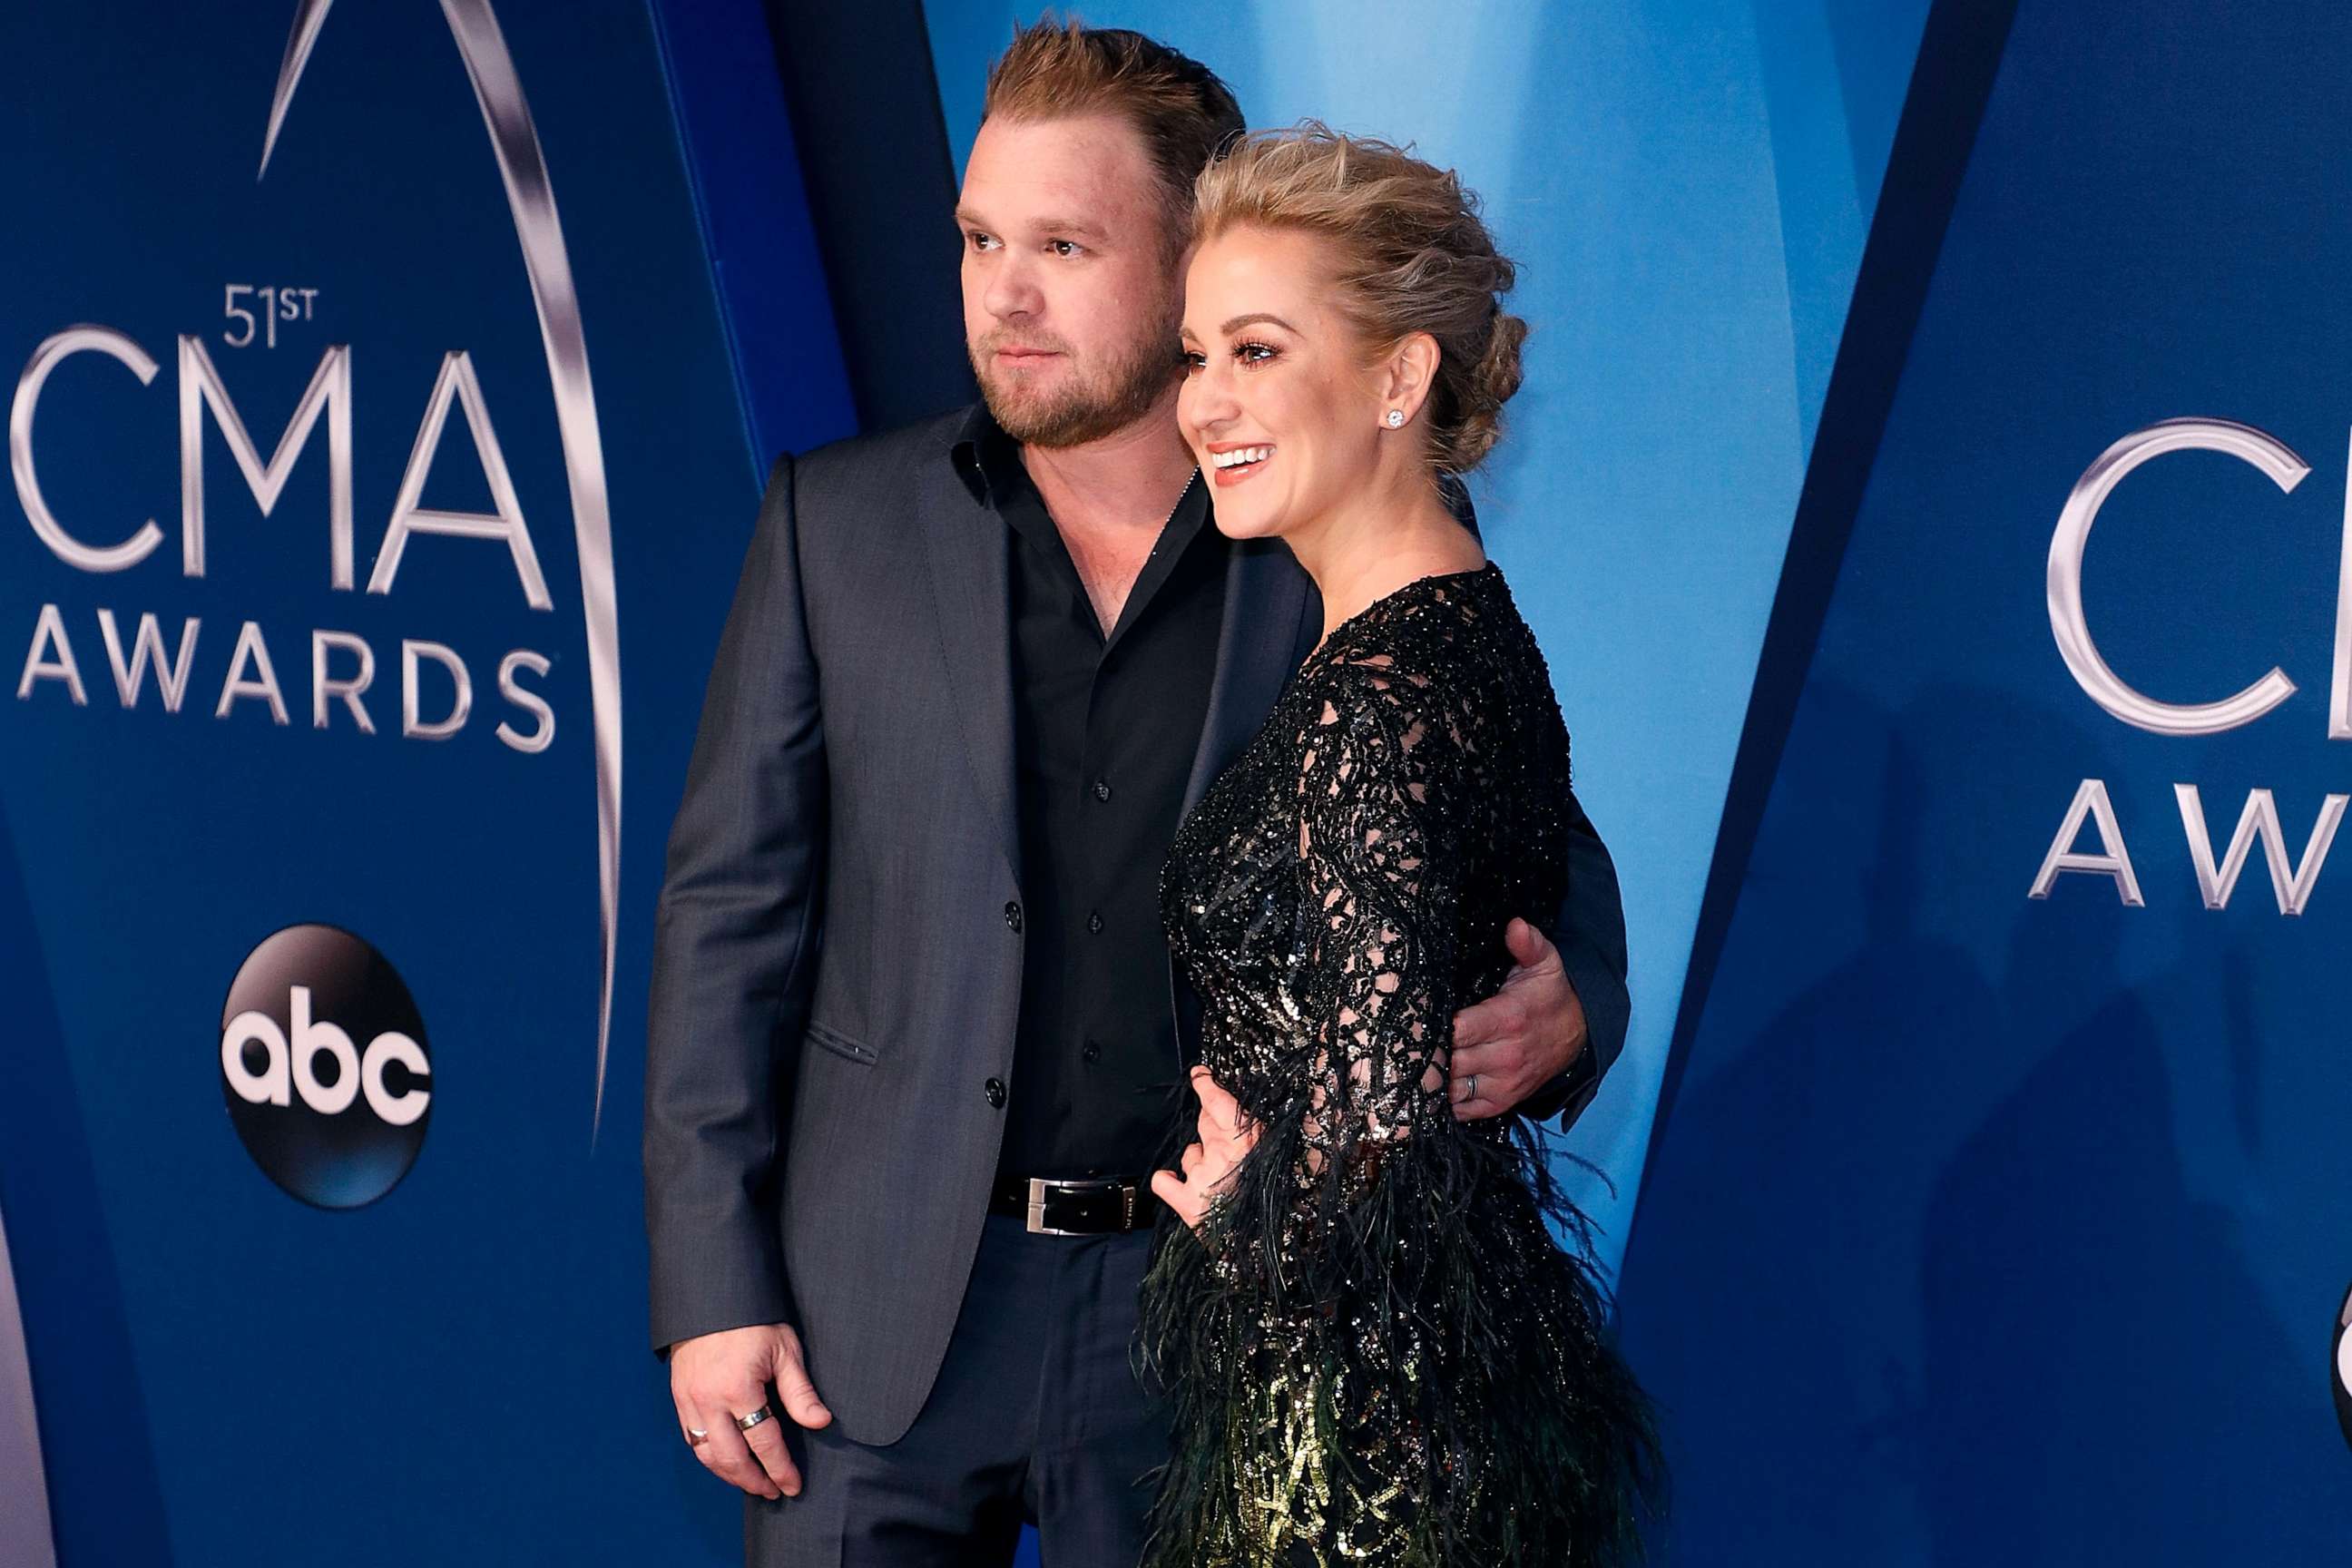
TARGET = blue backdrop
(1975,1226)
(1987,1228)
(456,1373)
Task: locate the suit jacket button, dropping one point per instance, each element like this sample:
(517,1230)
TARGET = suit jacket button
(1013,917)
(995,1092)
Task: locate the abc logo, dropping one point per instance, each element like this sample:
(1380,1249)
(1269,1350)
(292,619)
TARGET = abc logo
(323,1066)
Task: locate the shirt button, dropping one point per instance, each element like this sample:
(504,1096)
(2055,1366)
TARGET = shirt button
(1013,916)
(1092,1052)
(995,1090)
(1102,790)
(1094,925)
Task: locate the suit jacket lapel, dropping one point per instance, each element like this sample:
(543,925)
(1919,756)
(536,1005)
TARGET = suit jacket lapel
(1264,633)
(970,563)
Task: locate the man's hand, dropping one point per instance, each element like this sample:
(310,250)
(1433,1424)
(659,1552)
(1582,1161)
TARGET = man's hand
(714,1378)
(1521,1037)
(1225,1136)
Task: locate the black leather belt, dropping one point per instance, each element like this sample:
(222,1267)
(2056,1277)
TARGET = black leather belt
(1095,1205)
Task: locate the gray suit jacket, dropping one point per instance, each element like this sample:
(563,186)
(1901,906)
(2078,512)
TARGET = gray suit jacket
(836,975)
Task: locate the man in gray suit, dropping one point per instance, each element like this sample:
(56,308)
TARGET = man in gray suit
(914,1044)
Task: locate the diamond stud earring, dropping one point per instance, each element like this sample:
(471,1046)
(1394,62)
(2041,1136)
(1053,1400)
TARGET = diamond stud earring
(1396,418)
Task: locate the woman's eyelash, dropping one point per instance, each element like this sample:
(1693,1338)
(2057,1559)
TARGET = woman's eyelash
(1248,354)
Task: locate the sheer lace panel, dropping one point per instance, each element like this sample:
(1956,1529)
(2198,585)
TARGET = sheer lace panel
(1382,770)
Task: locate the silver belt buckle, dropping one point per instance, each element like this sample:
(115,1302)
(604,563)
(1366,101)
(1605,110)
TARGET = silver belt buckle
(1037,1225)
(1037,1186)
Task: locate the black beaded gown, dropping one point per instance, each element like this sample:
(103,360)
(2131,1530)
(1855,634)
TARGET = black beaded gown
(1375,1351)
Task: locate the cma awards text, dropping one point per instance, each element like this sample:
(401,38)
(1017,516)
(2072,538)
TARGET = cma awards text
(2291,879)
(342,665)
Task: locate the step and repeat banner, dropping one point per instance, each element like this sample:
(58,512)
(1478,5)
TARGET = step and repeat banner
(380,476)
(392,382)
(2000,1214)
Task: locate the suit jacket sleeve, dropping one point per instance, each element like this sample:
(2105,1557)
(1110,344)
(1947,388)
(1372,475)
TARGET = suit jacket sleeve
(735,938)
(1591,936)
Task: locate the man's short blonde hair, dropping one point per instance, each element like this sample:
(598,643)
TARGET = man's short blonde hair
(1061,70)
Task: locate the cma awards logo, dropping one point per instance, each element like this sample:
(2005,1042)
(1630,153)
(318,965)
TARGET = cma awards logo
(324,1066)
(71,649)
(2291,876)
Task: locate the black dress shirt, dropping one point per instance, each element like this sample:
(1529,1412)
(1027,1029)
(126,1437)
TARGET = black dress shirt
(1105,728)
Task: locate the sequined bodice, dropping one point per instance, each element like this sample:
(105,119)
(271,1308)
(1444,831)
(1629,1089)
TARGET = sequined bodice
(1349,878)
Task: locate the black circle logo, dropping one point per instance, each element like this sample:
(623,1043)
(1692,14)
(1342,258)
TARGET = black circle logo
(2340,1366)
(323,1065)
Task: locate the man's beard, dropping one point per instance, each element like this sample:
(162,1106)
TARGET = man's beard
(1089,407)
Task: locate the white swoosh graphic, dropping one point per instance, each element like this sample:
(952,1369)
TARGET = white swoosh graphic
(531,198)
(25,1536)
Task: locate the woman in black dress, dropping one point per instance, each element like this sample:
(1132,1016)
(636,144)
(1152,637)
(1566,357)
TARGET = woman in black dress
(1376,1351)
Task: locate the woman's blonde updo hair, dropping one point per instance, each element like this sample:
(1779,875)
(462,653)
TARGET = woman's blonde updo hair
(1414,258)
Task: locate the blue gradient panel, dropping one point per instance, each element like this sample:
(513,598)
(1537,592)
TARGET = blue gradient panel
(455,1371)
(751,211)
(92,1447)
(1993,1228)
(1686,187)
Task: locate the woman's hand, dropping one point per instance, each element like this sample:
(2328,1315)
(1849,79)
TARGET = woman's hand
(1226,1136)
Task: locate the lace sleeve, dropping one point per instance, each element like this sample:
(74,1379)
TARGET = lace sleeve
(1381,774)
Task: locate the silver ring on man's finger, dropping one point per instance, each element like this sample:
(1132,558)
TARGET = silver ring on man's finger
(748,1422)
(696,1436)
(1474,1087)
